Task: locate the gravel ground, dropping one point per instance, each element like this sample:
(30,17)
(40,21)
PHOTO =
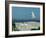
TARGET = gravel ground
(25,26)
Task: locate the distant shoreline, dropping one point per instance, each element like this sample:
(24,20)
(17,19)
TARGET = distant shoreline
(27,20)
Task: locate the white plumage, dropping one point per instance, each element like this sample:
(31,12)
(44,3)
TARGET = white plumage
(33,15)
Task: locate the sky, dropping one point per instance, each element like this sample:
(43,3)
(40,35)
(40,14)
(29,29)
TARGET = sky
(25,13)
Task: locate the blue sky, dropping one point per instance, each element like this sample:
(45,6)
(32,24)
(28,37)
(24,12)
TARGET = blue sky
(25,13)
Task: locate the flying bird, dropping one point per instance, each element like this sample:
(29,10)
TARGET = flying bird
(33,15)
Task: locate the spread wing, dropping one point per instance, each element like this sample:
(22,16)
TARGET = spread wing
(33,15)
